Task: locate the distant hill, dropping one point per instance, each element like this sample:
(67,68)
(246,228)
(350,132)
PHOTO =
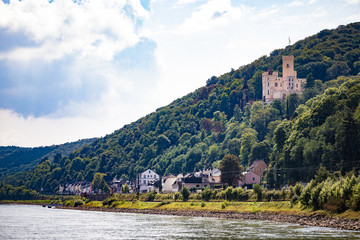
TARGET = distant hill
(295,137)
(15,159)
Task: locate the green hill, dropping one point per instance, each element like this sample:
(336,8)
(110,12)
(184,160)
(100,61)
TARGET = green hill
(16,159)
(196,131)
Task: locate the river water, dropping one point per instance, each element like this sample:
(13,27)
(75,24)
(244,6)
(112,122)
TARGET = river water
(36,222)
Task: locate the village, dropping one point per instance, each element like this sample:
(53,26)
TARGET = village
(151,181)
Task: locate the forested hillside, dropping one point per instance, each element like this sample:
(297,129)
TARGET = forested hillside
(295,137)
(15,159)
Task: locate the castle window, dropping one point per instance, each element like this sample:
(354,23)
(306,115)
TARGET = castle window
(287,65)
(268,92)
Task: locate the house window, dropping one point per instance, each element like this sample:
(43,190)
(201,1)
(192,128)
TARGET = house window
(280,84)
(253,179)
(268,92)
(276,84)
(149,171)
(150,176)
(144,181)
(197,185)
(268,84)
(297,85)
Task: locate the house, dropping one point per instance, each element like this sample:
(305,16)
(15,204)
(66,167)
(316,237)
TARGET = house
(195,181)
(76,188)
(249,179)
(168,182)
(116,184)
(214,176)
(254,174)
(275,86)
(145,181)
(177,185)
(258,167)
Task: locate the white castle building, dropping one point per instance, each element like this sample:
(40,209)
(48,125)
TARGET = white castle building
(275,86)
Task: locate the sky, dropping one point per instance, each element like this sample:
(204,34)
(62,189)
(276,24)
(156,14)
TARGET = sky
(74,69)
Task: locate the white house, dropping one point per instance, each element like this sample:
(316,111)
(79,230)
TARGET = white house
(167,183)
(145,180)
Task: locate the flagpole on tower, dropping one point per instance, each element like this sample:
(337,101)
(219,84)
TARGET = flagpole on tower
(289,41)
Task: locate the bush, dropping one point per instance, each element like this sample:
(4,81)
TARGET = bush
(283,193)
(177,196)
(294,200)
(355,200)
(258,191)
(109,201)
(223,205)
(203,204)
(69,203)
(229,193)
(115,204)
(185,194)
(78,203)
(151,196)
(206,194)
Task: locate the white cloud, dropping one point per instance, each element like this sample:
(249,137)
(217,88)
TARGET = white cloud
(297,3)
(213,14)
(183,2)
(96,29)
(351,2)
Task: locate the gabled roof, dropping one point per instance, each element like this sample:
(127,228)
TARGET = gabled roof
(256,163)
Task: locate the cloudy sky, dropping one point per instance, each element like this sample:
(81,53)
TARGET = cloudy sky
(73,69)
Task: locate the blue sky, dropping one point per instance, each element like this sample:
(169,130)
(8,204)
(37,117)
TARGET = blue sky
(80,69)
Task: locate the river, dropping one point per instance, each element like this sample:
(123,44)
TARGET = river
(36,222)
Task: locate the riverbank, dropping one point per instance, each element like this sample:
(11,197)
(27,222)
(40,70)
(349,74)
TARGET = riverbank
(267,211)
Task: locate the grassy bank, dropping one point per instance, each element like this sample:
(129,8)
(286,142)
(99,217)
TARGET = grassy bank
(278,207)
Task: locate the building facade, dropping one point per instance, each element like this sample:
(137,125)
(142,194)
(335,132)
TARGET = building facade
(145,181)
(275,86)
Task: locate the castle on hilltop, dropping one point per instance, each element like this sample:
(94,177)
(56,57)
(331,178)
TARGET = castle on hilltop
(279,87)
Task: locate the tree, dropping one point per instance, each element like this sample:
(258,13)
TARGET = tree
(248,139)
(230,169)
(98,182)
(293,101)
(185,192)
(260,150)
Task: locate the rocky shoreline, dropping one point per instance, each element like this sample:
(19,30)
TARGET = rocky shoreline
(308,220)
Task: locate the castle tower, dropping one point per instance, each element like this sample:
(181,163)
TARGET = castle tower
(288,66)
